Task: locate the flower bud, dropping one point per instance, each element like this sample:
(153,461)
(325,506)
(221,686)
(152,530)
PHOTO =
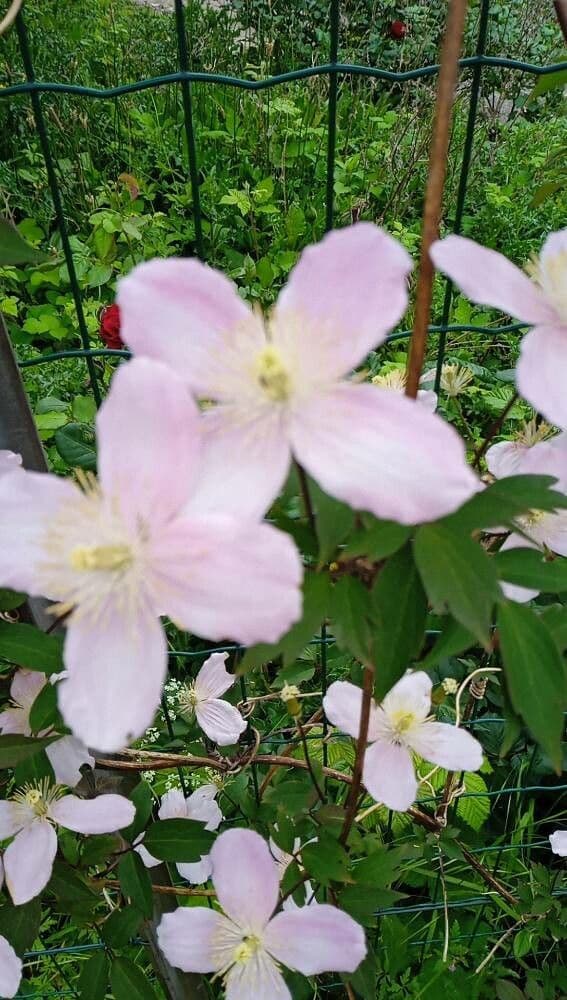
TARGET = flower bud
(109,331)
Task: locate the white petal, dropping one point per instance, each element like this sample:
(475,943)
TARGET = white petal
(201,805)
(67,756)
(147,858)
(448,746)
(13,817)
(558,841)
(197,872)
(188,936)
(258,979)
(245,878)
(389,776)
(10,970)
(28,861)
(105,814)
(220,721)
(213,678)
(343,704)
(173,805)
(315,939)
(411,695)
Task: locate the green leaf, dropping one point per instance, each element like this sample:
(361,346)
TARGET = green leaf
(27,646)
(380,540)
(121,926)
(15,748)
(506,500)
(333,520)
(95,850)
(326,860)
(363,980)
(458,575)
(454,639)
(178,840)
(43,713)
(399,613)
(535,675)
(143,799)
(93,980)
(351,611)
(20,924)
(135,882)
(530,568)
(474,811)
(14,250)
(10,599)
(555,619)
(383,866)
(549,81)
(129,981)
(76,445)
(84,409)
(506,990)
(316,591)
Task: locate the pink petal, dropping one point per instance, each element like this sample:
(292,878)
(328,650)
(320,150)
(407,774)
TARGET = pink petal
(488,278)
(389,775)
(245,878)
(10,969)
(342,704)
(1,873)
(147,858)
(428,399)
(173,805)
(511,590)
(116,669)
(196,872)
(15,721)
(448,746)
(184,313)
(382,452)
(247,487)
(558,841)
(67,756)
(412,693)
(345,293)
(547,458)
(29,501)
(25,687)
(220,721)
(105,814)
(555,244)
(211,600)
(188,936)
(505,459)
(213,678)
(260,977)
(316,939)
(540,372)
(201,805)
(9,461)
(28,861)
(13,817)
(148,431)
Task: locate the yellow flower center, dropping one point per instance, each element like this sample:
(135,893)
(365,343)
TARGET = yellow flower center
(396,380)
(101,557)
(272,375)
(532,518)
(402,721)
(188,700)
(38,797)
(246,949)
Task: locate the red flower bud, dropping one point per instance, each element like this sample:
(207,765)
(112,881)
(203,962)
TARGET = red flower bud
(110,328)
(398,29)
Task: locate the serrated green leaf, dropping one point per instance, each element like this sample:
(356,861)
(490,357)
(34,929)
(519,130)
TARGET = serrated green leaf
(458,575)
(129,981)
(535,675)
(93,980)
(135,882)
(325,859)
(474,811)
(399,613)
(180,840)
(76,445)
(28,647)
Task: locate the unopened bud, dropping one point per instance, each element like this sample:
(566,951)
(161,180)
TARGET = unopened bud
(450,685)
(289,694)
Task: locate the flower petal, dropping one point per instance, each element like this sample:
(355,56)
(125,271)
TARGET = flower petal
(316,939)
(28,501)
(211,600)
(511,590)
(10,969)
(540,372)
(147,858)
(343,296)
(13,817)
(67,756)
(173,805)
(15,721)
(196,872)
(105,814)
(259,977)
(187,938)
(488,278)
(505,458)
(148,432)
(343,703)
(246,487)
(245,878)
(184,313)
(28,861)
(389,776)
(221,722)
(389,455)
(116,669)
(411,694)
(25,687)
(448,746)
(213,678)
(201,805)
(558,841)
(9,462)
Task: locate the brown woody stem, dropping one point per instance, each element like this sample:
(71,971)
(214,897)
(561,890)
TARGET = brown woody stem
(352,803)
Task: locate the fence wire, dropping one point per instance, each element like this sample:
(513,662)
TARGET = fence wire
(335,71)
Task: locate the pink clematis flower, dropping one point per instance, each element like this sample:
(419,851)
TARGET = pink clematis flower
(539,529)
(399,727)
(119,553)
(9,462)
(10,963)
(279,384)
(66,755)
(220,721)
(490,279)
(558,841)
(200,805)
(31,816)
(248,945)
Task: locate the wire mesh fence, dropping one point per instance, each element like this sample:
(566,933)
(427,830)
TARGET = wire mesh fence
(524,843)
